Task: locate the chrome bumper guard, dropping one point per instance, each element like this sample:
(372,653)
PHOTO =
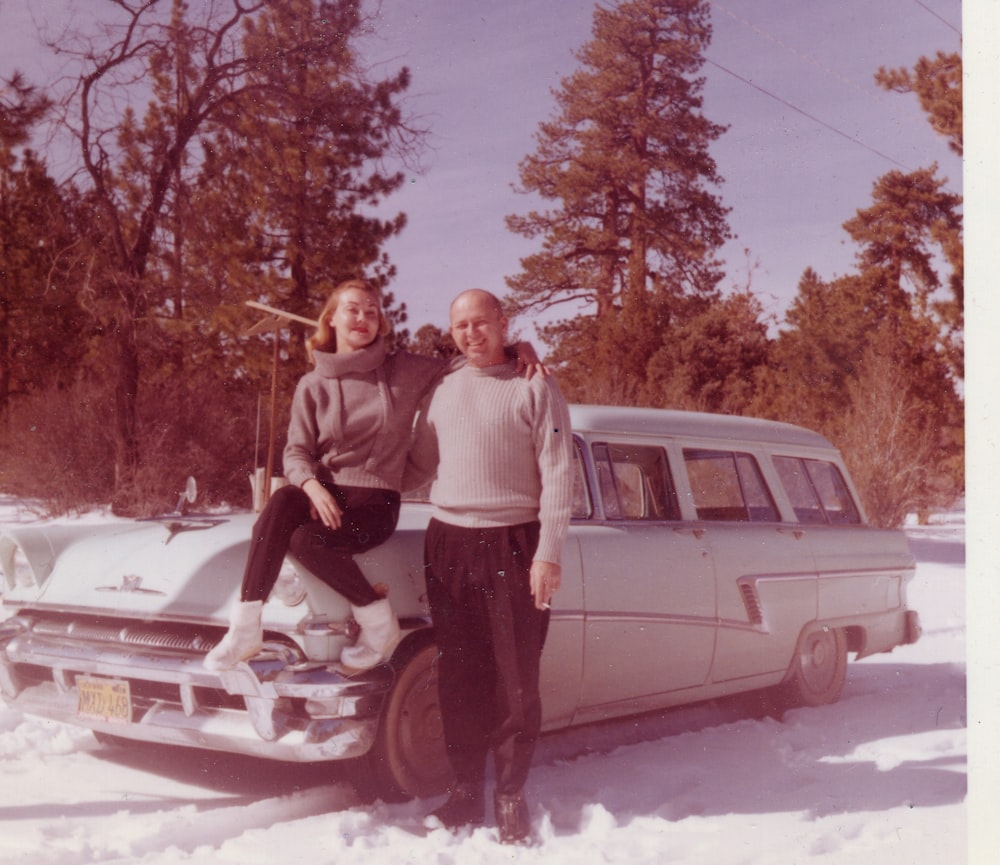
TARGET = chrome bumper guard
(294,710)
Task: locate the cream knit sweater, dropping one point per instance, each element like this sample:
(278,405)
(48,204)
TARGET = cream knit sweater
(504,453)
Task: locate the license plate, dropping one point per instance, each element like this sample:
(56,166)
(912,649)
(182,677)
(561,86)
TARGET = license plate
(104,700)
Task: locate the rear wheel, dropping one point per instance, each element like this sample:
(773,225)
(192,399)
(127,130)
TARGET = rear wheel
(408,758)
(818,670)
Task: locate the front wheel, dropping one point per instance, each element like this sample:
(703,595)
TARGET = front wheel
(409,759)
(818,669)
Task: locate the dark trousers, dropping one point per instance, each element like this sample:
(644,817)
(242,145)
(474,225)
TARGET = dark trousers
(286,525)
(490,636)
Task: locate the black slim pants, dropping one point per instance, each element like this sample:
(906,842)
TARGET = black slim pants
(286,525)
(490,635)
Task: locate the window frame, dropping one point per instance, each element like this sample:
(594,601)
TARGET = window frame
(582,474)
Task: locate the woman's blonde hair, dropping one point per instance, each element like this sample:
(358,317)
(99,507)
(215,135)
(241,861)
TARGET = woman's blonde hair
(325,338)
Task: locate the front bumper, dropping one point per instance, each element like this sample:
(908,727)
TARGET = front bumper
(277,706)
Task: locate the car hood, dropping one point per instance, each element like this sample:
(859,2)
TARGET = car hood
(183,568)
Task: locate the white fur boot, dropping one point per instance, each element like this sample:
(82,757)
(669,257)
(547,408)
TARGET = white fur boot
(378,638)
(243,639)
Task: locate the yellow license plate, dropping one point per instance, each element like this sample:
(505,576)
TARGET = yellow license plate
(106,700)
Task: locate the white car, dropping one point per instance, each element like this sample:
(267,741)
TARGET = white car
(709,555)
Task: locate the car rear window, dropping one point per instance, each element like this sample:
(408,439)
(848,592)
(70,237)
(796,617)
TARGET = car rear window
(817,491)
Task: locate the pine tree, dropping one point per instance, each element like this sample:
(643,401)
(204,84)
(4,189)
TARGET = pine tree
(712,364)
(42,327)
(914,224)
(937,84)
(309,144)
(21,107)
(40,321)
(432,341)
(864,359)
(167,266)
(817,352)
(634,229)
(277,211)
(873,359)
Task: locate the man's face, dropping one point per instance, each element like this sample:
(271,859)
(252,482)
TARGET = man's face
(479,329)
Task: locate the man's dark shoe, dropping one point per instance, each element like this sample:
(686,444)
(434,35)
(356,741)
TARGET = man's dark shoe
(463,807)
(513,822)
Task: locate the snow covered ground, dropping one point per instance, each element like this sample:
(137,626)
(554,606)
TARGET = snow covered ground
(878,778)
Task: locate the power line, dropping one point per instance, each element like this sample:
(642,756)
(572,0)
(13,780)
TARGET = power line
(874,95)
(804,113)
(946,23)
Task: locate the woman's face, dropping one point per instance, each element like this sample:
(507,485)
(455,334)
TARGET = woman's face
(356,320)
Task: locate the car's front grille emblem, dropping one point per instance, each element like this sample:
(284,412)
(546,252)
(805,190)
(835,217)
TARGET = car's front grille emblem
(130,583)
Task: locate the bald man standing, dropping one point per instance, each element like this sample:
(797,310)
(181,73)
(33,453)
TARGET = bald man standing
(503,496)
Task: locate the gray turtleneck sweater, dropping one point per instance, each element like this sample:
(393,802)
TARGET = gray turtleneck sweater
(352,416)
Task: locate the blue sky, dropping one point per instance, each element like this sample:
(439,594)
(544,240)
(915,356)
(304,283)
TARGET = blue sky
(483,72)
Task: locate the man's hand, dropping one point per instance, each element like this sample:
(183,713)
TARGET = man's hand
(323,506)
(546,577)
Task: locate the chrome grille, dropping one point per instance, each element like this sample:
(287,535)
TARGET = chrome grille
(165,636)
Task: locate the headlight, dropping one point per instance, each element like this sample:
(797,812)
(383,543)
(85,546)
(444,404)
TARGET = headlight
(17,569)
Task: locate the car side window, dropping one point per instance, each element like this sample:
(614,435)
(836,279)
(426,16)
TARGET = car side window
(757,496)
(728,486)
(634,482)
(817,491)
(800,490)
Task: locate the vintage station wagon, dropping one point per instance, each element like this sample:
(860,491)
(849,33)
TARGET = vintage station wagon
(708,555)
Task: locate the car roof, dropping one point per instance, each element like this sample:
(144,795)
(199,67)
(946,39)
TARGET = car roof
(618,420)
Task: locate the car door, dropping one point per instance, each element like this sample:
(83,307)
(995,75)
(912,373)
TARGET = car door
(765,573)
(649,589)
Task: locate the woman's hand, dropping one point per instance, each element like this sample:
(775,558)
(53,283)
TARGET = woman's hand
(322,505)
(527,360)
